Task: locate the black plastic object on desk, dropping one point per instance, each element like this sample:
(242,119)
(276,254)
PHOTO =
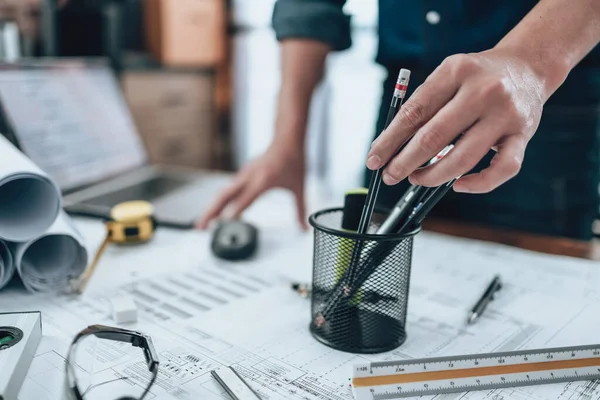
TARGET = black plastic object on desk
(234,240)
(343,316)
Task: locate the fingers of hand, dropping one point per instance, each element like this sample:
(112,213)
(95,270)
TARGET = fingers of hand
(504,166)
(468,151)
(246,198)
(436,91)
(220,203)
(301,207)
(454,118)
(477,92)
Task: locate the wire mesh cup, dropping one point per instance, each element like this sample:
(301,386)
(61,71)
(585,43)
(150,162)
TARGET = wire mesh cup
(360,285)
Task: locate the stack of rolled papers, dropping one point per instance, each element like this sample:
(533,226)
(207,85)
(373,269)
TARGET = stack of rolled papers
(7,267)
(37,239)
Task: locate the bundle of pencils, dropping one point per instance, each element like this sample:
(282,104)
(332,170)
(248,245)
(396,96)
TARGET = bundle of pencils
(406,216)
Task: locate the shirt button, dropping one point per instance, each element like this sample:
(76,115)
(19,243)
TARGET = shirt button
(433,17)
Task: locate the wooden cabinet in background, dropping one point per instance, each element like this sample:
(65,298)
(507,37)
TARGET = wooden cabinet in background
(186,33)
(175,114)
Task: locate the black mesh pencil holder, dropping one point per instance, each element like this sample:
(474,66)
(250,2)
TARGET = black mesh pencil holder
(360,285)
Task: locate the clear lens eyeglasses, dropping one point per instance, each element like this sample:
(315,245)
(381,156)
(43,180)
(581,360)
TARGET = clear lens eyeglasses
(132,376)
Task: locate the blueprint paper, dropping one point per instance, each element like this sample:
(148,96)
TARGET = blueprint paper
(7,267)
(48,262)
(29,200)
(217,314)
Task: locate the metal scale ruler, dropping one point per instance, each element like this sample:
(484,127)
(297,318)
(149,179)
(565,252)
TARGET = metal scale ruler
(463,373)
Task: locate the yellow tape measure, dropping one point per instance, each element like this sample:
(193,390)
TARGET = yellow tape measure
(131,222)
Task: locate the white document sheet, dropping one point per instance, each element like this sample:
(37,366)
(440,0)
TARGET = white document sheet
(48,262)
(246,316)
(29,199)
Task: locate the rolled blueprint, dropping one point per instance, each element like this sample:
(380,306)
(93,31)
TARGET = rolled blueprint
(7,267)
(48,262)
(29,200)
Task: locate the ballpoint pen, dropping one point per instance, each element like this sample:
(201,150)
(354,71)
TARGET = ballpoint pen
(486,297)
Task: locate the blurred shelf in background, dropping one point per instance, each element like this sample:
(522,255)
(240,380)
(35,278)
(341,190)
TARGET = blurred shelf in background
(172,57)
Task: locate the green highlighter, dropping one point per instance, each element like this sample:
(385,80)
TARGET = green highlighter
(354,202)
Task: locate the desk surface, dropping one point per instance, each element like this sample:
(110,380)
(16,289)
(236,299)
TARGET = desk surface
(551,245)
(251,319)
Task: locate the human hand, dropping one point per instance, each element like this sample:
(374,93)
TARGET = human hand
(494,99)
(278,167)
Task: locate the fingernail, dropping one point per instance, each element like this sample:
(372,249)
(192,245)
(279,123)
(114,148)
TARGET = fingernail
(373,162)
(389,180)
(460,188)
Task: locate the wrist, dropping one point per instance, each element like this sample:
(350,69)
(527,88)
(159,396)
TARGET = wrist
(287,146)
(549,68)
(290,126)
(290,132)
(542,42)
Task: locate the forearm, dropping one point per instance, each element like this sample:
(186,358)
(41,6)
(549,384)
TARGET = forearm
(554,37)
(302,67)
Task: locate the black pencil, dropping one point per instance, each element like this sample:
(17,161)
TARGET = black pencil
(365,220)
(375,182)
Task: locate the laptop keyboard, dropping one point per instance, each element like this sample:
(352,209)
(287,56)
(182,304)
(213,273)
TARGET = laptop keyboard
(146,190)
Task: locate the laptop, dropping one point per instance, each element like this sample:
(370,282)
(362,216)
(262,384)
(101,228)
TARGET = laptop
(71,119)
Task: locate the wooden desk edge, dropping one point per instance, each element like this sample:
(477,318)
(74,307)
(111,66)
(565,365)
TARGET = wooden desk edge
(545,244)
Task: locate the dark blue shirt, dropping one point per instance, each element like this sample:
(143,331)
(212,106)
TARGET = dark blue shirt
(556,191)
(410,31)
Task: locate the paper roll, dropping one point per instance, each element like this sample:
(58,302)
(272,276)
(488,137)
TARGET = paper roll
(30,201)
(48,262)
(7,267)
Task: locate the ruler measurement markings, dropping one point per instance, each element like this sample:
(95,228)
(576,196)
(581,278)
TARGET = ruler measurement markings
(385,392)
(523,357)
(473,372)
(452,374)
(474,360)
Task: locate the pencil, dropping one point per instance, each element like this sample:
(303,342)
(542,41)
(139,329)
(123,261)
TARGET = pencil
(375,182)
(383,249)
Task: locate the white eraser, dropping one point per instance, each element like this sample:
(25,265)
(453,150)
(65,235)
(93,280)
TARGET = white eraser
(404,74)
(124,309)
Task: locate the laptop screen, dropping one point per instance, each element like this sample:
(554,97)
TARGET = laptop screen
(71,119)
